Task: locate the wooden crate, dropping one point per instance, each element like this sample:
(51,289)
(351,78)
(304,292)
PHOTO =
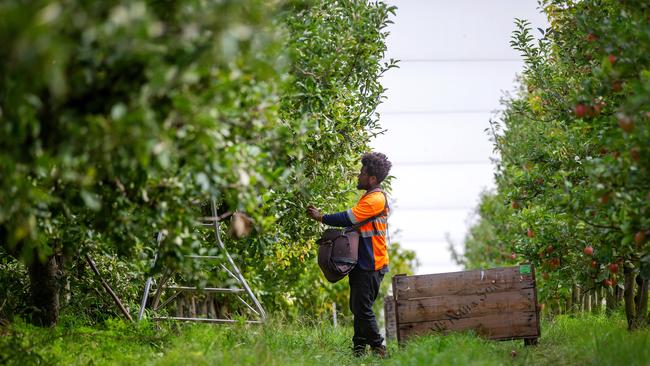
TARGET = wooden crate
(389,317)
(499,303)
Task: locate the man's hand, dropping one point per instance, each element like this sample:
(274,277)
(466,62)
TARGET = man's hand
(314,213)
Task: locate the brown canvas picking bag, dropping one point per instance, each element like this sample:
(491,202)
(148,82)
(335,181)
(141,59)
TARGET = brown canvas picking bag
(338,249)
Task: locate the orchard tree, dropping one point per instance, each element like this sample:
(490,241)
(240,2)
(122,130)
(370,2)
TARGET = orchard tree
(121,118)
(330,95)
(118,117)
(572,178)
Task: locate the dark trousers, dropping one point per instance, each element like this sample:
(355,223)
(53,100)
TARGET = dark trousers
(364,288)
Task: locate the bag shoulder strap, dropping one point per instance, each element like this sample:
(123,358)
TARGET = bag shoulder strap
(360,224)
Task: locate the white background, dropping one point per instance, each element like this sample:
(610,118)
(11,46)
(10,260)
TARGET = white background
(456,63)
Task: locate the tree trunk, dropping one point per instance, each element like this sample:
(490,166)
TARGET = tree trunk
(65,292)
(575,298)
(192,307)
(203,304)
(612,301)
(636,307)
(212,310)
(619,295)
(179,306)
(44,290)
(596,301)
(642,304)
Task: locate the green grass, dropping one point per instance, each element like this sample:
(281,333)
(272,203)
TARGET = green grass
(583,340)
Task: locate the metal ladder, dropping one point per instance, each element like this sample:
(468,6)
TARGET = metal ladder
(233,272)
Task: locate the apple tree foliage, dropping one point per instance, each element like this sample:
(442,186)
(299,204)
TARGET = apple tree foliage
(120,119)
(573,178)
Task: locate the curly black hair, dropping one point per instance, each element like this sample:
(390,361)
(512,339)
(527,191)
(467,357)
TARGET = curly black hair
(376,164)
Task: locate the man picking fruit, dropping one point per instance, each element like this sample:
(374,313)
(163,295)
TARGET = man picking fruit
(366,277)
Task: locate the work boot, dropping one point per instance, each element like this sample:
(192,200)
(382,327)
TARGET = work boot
(380,351)
(359,350)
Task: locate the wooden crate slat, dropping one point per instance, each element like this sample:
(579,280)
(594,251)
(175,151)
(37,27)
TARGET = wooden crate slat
(465,306)
(389,318)
(461,283)
(496,326)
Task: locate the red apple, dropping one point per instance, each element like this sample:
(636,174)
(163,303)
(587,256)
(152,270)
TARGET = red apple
(625,123)
(596,110)
(617,86)
(590,111)
(594,264)
(607,283)
(604,199)
(591,37)
(513,256)
(555,262)
(639,237)
(612,59)
(580,110)
(515,205)
(613,268)
(530,233)
(598,107)
(589,250)
(550,249)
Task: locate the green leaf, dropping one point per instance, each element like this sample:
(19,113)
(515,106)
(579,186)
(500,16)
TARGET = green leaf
(91,200)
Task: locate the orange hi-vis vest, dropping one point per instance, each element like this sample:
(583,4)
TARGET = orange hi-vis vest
(373,249)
